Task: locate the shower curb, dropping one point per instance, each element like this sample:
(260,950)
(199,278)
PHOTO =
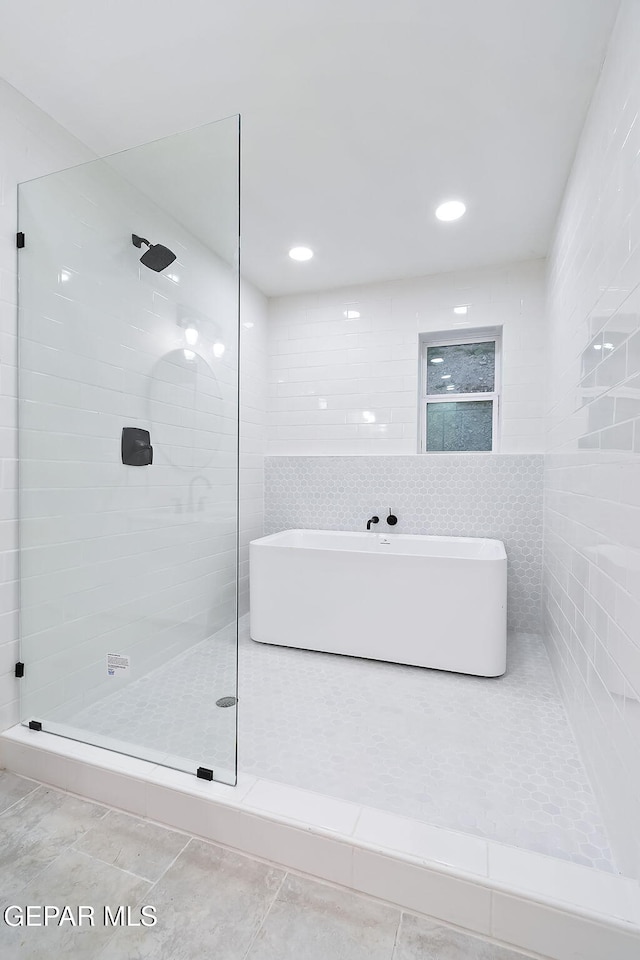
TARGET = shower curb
(511,895)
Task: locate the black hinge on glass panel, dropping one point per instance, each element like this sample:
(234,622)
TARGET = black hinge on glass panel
(204,773)
(35,725)
(19,670)
(20,240)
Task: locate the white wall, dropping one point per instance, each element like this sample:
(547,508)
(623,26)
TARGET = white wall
(325,370)
(592,489)
(31,145)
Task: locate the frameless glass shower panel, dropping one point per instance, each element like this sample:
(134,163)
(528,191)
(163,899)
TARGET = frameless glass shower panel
(128,407)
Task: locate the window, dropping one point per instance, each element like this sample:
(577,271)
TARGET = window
(459,392)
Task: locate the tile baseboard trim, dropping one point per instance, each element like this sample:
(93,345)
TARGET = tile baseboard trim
(508,894)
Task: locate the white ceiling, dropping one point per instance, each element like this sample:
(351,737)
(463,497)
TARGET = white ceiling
(358,116)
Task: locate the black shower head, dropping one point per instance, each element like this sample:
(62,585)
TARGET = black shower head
(157,257)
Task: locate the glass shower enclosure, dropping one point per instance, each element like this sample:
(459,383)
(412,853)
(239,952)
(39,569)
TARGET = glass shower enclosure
(128,449)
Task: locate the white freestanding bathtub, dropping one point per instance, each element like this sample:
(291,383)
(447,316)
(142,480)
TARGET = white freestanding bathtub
(428,601)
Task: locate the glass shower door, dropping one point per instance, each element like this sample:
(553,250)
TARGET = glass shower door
(128,445)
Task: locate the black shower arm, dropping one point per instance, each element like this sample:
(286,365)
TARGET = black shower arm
(138,241)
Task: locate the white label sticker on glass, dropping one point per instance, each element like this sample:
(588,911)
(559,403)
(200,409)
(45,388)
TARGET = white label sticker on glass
(117,664)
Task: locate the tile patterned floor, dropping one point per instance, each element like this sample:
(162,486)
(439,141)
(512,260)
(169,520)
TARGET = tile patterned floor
(56,849)
(495,758)
(172,709)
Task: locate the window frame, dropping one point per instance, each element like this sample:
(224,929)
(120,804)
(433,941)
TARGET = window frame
(451,339)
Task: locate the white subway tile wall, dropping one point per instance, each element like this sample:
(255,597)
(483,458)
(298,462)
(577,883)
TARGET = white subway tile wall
(451,495)
(343,364)
(31,145)
(592,484)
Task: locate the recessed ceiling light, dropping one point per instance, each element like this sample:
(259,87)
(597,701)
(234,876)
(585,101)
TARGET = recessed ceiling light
(451,386)
(368,416)
(446,376)
(597,346)
(351,314)
(437,359)
(218,349)
(460,310)
(300,253)
(189,355)
(450,210)
(191,336)
(608,346)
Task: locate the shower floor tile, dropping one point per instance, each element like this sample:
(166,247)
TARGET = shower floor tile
(172,710)
(491,757)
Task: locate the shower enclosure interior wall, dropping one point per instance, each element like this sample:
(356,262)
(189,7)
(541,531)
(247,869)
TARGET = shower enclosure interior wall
(129,572)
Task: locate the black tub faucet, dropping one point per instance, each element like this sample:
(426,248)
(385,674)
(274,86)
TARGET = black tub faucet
(372,520)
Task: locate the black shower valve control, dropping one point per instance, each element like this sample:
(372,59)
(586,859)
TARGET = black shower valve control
(136,449)
(391,519)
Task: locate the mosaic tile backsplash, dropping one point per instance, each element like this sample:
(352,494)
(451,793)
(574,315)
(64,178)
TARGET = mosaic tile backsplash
(494,495)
